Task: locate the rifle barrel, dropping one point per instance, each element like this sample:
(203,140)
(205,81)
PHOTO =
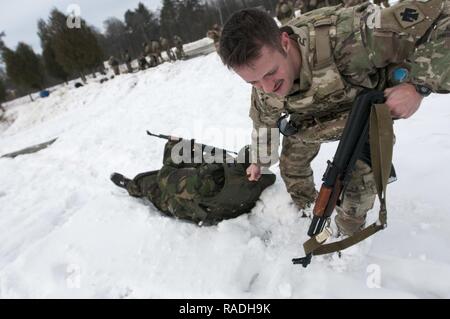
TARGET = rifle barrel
(172,138)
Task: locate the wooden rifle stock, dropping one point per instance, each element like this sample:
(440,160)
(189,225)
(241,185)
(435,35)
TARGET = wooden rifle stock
(322,200)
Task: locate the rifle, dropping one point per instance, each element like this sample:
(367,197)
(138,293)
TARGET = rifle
(204,147)
(366,108)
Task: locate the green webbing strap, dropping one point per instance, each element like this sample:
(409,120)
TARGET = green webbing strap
(381,136)
(349,241)
(381,147)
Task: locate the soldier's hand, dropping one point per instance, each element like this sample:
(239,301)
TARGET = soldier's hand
(403,100)
(253,172)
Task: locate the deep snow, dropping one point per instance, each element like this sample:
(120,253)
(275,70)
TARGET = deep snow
(67,231)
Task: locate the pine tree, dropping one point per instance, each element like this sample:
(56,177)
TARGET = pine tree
(2,44)
(149,21)
(24,67)
(168,19)
(2,91)
(2,97)
(52,67)
(142,24)
(77,49)
(116,39)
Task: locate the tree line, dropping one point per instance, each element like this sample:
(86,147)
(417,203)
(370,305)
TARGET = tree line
(69,53)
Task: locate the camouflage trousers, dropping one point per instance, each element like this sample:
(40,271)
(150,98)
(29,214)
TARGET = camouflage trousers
(129,67)
(179,52)
(171,55)
(116,70)
(295,167)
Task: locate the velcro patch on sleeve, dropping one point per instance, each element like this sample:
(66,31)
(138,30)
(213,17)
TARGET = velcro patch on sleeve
(408,16)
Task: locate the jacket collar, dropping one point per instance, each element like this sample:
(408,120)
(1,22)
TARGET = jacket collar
(301,36)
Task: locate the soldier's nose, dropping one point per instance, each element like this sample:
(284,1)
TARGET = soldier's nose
(268,86)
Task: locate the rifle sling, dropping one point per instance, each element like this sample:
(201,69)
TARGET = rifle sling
(381,135)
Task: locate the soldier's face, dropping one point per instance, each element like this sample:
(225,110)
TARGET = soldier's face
(272,72)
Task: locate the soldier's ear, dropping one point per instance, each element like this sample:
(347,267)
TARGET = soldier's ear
(285,43)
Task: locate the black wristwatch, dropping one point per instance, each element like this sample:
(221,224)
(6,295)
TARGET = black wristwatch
(422,90)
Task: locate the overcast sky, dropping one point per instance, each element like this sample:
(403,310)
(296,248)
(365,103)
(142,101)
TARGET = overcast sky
(18,18)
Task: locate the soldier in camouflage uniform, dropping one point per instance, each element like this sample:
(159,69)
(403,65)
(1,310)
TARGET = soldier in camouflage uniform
(2,111)
(309,5)
(214,34)
(351,3)
(127,59)
(148,52)
(156,49)
(285,11)
(114,64)
(384,2)
(143,63)
(165,45)
(179,47)
(204,193)
(313,69)
(146,49)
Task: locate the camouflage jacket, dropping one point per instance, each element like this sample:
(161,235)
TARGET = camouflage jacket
(156,47)
(213,35)
(345,50)
(177,41)
(165,45)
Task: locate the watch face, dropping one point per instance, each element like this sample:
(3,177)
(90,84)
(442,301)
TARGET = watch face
(400,75)
(423,90)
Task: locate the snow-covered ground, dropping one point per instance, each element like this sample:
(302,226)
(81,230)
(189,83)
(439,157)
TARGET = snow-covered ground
(67,231)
